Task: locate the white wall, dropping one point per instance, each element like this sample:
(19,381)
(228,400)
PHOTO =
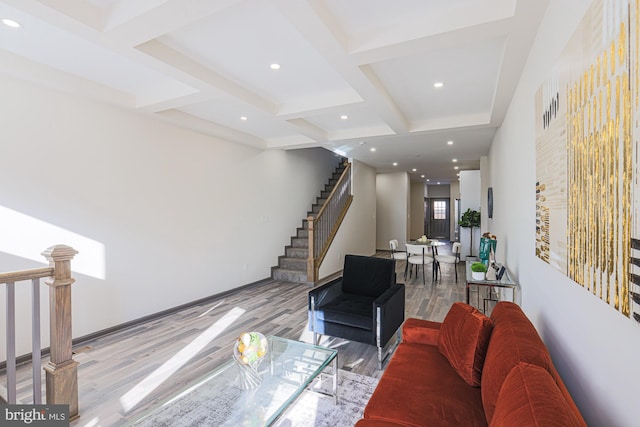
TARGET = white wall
(392,208)
(171,208)
(357,232)
(469,199)
(595,348)
(416,212)
(454,189)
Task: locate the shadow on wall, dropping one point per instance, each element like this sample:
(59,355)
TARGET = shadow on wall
(580,390)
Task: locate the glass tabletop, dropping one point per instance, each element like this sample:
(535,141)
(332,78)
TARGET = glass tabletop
(505,280)
(219,398)
(428,242)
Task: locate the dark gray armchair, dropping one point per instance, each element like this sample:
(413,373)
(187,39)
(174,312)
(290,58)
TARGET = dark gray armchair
(364,305)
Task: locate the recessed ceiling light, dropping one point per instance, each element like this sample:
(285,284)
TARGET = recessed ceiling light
(449,142)
(395,163)
(11,23)
(438,182)
(454,160)
(275,66)
(243,118)
(438,85)
(414,169)
(421,176)
(344,117)
(373,148)
(455,167)
(428,180)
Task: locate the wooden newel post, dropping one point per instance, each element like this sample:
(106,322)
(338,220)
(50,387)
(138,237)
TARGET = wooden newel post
(311,268)
(61,370)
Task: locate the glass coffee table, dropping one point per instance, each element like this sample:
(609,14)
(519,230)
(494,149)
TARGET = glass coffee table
(219,398)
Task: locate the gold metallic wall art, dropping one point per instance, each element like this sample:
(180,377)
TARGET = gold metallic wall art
(586,112)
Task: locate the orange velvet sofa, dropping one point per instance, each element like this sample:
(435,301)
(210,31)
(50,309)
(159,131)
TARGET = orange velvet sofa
(471,370)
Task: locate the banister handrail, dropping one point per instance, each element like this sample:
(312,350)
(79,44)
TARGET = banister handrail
(343,176)
(61,370)
(321,231)
(21,275)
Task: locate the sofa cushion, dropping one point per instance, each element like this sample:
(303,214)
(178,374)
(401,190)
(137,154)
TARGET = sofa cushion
(530,397)
(463,340)
(419,386)
(370,276)
(513,340)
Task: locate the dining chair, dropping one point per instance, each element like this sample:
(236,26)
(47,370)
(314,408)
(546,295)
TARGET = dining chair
(454,258)
(419,255)
(395,254)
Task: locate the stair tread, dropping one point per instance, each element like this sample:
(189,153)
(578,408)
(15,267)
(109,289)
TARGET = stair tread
(297,252)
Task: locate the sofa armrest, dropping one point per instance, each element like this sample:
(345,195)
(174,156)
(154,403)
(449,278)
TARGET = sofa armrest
(325,293)
(419,331)
(390,307)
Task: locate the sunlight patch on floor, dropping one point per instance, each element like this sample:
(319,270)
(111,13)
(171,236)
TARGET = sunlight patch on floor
(140,391)
(93,422)
(212,308)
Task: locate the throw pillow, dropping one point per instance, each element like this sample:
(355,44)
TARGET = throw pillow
(463,340)
(530,397)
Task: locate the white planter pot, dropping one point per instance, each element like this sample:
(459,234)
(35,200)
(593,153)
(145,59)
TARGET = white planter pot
(477,275)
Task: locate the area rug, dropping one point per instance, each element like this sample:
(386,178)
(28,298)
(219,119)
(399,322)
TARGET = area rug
(313,409)
(310,409)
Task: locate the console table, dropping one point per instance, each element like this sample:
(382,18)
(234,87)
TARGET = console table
(505,282)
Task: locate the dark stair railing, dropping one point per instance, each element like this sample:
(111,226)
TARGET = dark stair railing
(324,225)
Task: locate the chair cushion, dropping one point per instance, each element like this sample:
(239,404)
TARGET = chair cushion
(368,276)
(463,340)
(530,397)
(348,309)
(447,259)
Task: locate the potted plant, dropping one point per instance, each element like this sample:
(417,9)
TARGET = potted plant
(478,270)
(470,219)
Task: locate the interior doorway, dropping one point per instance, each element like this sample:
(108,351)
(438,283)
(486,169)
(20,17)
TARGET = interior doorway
(438,216)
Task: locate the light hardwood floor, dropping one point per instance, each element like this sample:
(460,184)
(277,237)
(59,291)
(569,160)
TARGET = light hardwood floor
(122,374)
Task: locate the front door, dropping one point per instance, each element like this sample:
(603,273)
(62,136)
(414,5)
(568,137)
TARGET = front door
(439,219)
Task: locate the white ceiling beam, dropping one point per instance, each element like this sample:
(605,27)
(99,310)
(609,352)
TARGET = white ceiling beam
(169,16)
(181,101)
(190,121)
(517,48)
(439,41)
(79,10)
(319,28)
(451,122)
(27,70)
(292,142)
(309,130)
(177,60)
(452,19)
(315,106)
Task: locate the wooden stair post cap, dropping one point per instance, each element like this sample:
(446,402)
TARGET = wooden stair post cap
(59,253)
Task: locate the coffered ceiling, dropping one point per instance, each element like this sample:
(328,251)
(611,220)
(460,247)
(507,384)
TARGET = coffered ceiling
(354,75)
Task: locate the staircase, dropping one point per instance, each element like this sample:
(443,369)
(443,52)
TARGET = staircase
(292,266)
